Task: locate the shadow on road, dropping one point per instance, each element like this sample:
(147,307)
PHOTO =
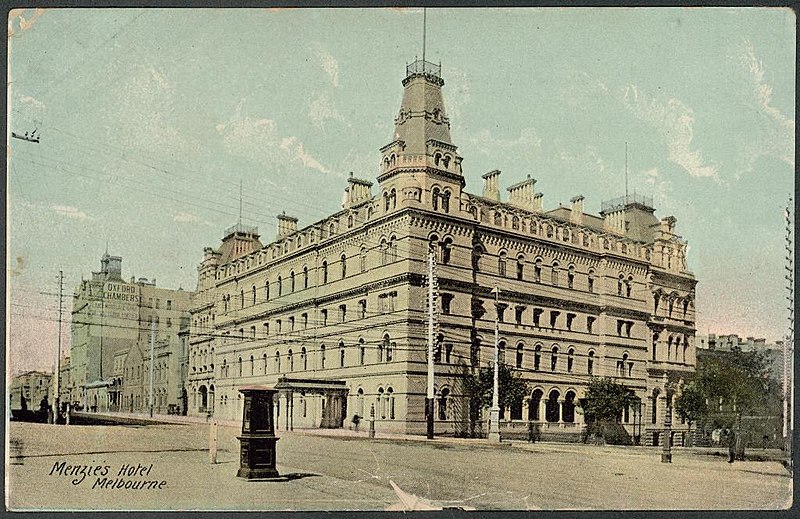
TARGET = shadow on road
(284,478)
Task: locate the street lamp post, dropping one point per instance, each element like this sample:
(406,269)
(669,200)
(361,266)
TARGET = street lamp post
(494,412)
(666,453)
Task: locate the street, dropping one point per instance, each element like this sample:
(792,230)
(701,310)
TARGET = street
(340,472)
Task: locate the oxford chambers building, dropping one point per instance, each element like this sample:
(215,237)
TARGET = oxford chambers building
(334,314)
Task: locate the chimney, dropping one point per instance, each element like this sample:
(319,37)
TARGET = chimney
(357,191)
(537,202)
(491,185)
(576,212)
(521,194)
(286,225)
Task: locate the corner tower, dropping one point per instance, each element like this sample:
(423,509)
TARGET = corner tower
(421,158)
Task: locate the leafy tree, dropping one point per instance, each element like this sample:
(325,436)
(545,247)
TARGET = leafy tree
(605,401)
(480,386)
(740,381)
(691,405)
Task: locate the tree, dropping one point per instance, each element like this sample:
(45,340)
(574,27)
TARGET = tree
(605,401)
(691,405)
(480,386)
(740,382)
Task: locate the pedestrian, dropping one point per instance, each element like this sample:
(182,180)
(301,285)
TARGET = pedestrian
(731,437)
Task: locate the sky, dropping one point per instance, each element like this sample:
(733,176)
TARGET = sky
(149,120)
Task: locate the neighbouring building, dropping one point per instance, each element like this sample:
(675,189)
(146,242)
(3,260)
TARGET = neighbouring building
(111,341)
(334,314)
(33,386)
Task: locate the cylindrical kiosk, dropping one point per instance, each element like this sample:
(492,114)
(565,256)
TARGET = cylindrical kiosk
(257,442)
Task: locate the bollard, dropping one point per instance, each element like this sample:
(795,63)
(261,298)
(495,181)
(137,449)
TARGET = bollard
(372,421)
(212,442)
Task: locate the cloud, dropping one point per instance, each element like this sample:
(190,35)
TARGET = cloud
(586,160)
(321,109)
(674,121)
(485,142)
(328,63)
(260,141)
(184,217)
(780,142)
(70,212)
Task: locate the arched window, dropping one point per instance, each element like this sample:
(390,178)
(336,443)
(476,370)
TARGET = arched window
(620,283)
(498,218)
(304,358)
(477,252)
(628,286)
(570,359)
(554,276)
(501,352)
(280,286)
(254,294)
(435,198)
(590,363)
(519,355)
(446,248)
(537,270)
(554,358)
(266,289)
(265,363)
(341,354)
(350,221)
(568,407)
(362,351)
(344,266)
(240,366)
(571,277)
(515,223)
(654,407)
(393,197)
(381,404)
(322,356)
(390,398)
(384,248)
(223,370)
(324,271)
(501,264)
(537,356)
(443,395)
(291,281)
(360,402)
(520,267)
(331,229)
(591,280)
(533,404)
(552,409)
(446,200)
(252,366)
(305,277)
(392,248)
(242,298)
(363,258)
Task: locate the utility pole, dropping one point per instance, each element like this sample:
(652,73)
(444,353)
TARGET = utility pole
(494,412)
(152,365)
(432,295)
(788,344)
(57,399)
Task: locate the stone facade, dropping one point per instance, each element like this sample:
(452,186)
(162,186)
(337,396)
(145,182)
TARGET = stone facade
(34,386)
(335,313)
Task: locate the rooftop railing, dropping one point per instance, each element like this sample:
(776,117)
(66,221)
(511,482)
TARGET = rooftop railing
(241,228)
(424,67)
(624,201)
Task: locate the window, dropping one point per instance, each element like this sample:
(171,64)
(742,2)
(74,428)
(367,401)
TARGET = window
(571,278)
(620,283)
(520,267)
(591,281)
(240,366)
(363,306)
(570,359)
(342,313)
(501,264)
(537,314)
(501,311)
(279,323)
(518,311)
(290,359)
(291,281)
(435,198)
(446,248)
(252,365)
(445,392)
(537,356)
(390,398)
(628,286)
(385,345)
(344,266)
(447,300)
(553,318)
(570,318)
(590,363)
(266,290)
(363,259)
(280,286)
(266,328)
(253,333)
(477,252)
(554,275)
(324,313)
(324,271)
(305,277)
(341,354)
(537,271)
(554,358)
(362,352)
(291,323)
(589,323)
(448,351)
(304,317)
(519,355)
(241,293)
(169,305)
(322,356)
(446,197)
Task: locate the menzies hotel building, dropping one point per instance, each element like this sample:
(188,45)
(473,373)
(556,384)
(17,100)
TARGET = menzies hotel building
(334,314)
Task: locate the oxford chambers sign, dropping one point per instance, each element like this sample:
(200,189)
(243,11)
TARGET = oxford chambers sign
(121,292)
